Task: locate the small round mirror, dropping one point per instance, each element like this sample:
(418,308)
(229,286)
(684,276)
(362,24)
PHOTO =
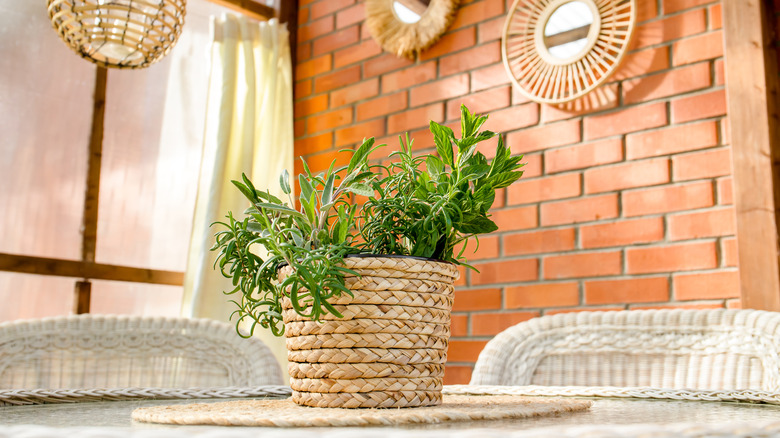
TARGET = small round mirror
(566,31)
(410,11)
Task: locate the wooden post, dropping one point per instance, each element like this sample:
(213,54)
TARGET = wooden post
(751,86)
(91,196)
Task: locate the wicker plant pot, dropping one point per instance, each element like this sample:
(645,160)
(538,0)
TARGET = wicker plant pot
(389,349)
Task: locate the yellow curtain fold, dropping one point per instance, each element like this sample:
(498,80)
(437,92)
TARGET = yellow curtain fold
(249,129)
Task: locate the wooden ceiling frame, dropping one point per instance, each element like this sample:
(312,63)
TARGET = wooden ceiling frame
(751,88)
(87,268)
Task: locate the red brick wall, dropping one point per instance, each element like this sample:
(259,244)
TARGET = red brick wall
(626,206)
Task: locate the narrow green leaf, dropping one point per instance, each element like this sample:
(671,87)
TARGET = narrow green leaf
(327,191)
(284,182)
(360,189)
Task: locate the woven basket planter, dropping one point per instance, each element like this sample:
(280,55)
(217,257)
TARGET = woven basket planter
(388,350)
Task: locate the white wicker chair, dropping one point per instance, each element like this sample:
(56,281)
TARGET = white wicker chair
(96,351)
(694,349)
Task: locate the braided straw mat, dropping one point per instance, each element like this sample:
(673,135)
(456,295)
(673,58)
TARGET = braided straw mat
(284,413)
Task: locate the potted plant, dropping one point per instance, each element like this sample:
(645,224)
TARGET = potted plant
(358,274)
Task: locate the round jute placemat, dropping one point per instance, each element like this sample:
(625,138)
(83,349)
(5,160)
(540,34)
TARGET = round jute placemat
(284,413)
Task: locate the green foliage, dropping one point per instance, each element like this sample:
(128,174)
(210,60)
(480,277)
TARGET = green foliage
(428,213)
(409,211)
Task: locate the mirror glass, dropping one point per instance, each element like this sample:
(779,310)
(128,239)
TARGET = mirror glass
(566,31)
(410,11)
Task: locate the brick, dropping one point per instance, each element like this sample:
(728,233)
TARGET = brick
(542,295)
(706,164)
(299,128)
(583,155)
(313,67)
(477,12)
(311,106)
(335,40)
(490,30)
(415,118)
(627,175)
(489,77)
(357,132)
(450,43)
(574,211)
(521,218)
(303,89)
(507,271)
(554,113)
(354,93)
(303,53)
(706,286)
(311,145)
(464,350)
(671,6)
(383,64)
(697,306)
(646,11)
(720,76)
(729,252)
(733,304)
(622,233)
(351,15)
(320,162)
(466,60)
(382,106)
(323,8)
(671,258)
(699,106)
(625,120)
(493,323)
(544,189)
(667,199)
(634,290)
(678,81)
(716,16)
(539,241)
(593,264)
(477,299)
(487,248)
(457,375)
(545,136)
(481,102)
(533,165)
(698,48)
(337,79)
(315,28)
(642,62)
(462,277)
(586,309)
(303,15)
(671,28)
(512,118)
(329,120)
(408,77)
(459,325)
(671,140)
(712,223)
(725,189)
(439,90)
(350,55)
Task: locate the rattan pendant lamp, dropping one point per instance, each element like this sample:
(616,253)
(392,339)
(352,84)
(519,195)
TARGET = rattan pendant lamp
(119,33)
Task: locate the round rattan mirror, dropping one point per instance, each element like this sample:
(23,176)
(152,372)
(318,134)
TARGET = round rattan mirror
(556,51)
(407,27)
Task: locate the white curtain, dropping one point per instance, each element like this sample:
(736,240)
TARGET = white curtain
(249,129)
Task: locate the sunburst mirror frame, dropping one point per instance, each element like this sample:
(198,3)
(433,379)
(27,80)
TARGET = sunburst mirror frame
(408,39)
(545,78)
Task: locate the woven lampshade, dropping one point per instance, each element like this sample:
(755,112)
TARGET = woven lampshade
(119,33)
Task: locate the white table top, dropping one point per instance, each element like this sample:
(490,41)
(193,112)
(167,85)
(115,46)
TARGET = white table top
(607,417)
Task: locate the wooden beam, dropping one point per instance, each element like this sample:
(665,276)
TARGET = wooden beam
(77,269)
(288,14)
(95,153)
(83,296)
(250,8)
(751,90)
